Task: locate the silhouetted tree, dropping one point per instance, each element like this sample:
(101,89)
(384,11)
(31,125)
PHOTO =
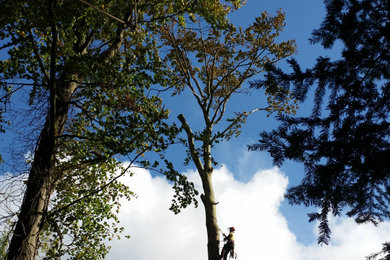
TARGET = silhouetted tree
(344,145)
(385,252)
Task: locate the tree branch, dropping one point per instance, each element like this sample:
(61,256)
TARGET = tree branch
(244,76)
(104,12)
(191,144)
(184,66)
(16,41)
(8,94)
(37,56)
(238,118)
(99,189)
(117,42)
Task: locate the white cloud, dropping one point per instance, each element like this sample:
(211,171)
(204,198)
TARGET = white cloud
(350,241)
(11,194)
(253,208)
(156,233)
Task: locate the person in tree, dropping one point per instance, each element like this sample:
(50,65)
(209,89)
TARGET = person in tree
(228,247)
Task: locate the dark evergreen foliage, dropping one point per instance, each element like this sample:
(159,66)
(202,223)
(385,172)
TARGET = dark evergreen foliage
(384,253)
(345,142)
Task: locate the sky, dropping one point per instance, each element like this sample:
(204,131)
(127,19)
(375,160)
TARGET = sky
(248,187)
(252,207)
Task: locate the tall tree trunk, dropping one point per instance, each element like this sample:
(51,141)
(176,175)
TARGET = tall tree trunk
(25,239)
(205,171)
(209,204)
(41,181)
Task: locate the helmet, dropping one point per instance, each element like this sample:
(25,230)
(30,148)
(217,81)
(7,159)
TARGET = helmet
(232,229)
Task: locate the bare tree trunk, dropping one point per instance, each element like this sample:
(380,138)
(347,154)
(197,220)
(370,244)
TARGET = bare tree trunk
(205,171)
(209,204)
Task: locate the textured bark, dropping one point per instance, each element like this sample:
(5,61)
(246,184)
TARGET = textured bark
(25,239)
(41,181)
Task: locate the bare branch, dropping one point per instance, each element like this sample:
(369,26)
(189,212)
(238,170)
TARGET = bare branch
(103,12)
(190,137)
(244,76)
(37,56)
(238,118)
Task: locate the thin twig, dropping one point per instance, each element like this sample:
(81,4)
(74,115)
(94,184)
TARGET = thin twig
(236,121)
(104,12)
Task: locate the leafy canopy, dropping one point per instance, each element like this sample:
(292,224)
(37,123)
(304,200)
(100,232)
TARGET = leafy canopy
(212,64)
(100,60)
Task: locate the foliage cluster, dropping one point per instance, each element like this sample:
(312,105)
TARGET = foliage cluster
(213,63)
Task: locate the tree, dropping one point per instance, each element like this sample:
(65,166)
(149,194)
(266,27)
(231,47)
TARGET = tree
(385,252)
(88,67)
(345,149)
(212,63)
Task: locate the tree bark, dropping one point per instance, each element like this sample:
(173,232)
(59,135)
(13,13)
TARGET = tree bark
(205,171)
(41,181)
(25,239)
(209,204)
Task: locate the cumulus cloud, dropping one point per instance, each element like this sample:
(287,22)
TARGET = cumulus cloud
(156,233)
(252,207)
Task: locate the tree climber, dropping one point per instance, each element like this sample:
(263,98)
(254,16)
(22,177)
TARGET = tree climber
(228,247)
